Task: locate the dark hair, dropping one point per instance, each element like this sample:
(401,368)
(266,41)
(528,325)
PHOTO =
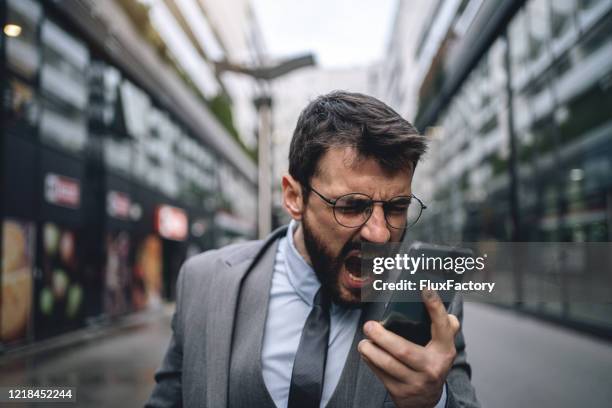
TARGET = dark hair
(346,119)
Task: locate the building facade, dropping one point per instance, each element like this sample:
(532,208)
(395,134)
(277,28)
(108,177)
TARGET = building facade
(515,96)
(113,170)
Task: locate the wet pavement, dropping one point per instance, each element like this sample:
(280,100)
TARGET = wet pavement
(517,361)
(520,361)
(112,371)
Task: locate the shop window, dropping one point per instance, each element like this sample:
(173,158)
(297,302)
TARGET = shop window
(562,12)
(63,73)
(597,38)
(22,55)
(519,43)
(22,110)
(64,89)
(587,111)
(539,27)
(588,4)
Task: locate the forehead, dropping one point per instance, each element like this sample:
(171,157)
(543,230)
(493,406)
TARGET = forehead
(341,170)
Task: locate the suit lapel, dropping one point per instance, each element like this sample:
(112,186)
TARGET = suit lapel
(246,383)
(221,310)
(369,390)
(220,317)
(219,327)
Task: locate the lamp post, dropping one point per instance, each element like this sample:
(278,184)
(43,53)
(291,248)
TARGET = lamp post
(263,103)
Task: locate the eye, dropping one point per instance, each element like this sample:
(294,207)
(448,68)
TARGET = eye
(352,204)
(398,205)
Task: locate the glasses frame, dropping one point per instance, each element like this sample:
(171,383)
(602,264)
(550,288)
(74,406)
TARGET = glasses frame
(332,203)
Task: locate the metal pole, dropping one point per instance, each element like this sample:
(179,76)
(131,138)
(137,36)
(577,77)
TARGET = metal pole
(265,74)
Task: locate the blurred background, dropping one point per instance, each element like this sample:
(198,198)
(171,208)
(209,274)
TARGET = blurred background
(136,133)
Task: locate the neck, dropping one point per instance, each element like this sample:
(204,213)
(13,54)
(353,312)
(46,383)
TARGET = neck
(298,241)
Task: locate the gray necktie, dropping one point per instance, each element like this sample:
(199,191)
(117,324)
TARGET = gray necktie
(309,365)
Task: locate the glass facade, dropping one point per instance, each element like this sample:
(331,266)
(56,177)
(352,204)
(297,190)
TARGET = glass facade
(63,87)
(563,125)
(523,149)
(106,190)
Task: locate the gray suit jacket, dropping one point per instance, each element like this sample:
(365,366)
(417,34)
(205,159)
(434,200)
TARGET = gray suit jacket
(195,369)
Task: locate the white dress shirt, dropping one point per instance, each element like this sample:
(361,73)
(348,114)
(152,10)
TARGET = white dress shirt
(294,285)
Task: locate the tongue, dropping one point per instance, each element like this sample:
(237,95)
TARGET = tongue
(353,264)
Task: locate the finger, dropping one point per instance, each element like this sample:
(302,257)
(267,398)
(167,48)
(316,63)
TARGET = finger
(384,361)
(440,325)
(447,346)
(391,384)
(407,352)
(454,324)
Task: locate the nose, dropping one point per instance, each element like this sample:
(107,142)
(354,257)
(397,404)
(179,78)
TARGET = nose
(375,230)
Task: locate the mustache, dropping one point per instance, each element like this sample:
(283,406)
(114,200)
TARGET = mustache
(348,247)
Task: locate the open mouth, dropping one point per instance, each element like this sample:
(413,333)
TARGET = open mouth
(352,265)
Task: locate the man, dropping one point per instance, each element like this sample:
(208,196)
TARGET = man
(279,322)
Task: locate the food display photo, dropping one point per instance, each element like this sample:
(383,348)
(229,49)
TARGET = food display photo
(59,291)
(17,269)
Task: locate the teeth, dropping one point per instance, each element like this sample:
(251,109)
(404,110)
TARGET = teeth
(356,278)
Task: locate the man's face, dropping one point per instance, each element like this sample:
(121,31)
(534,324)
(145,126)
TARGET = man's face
(334,250)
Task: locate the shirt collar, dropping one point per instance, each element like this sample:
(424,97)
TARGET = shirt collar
(301,275)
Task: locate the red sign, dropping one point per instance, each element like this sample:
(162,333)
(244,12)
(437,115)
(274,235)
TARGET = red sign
(171,222)
(118,205)
(63,191)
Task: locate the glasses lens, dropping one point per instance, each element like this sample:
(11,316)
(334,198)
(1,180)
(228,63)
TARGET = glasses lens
(402,212)
(352,210)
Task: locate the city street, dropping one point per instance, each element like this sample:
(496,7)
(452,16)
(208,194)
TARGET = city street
(516,361)
(136,134)
(112,371)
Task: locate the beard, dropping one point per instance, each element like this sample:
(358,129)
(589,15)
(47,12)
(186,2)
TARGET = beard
(327,267)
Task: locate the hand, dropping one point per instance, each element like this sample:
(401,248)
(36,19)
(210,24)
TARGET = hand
(413,375)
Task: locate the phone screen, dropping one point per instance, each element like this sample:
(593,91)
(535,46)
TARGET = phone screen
(405,313)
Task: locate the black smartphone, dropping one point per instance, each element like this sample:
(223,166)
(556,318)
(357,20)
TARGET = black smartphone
(405,313)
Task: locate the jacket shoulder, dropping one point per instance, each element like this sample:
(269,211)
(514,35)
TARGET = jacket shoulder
(229,255)
(201,267)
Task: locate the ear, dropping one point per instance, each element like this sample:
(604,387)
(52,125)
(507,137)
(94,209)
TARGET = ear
(293,201)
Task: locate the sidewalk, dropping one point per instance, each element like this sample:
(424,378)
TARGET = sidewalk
(517,361)
(520,361)
(86,334)
(109,366)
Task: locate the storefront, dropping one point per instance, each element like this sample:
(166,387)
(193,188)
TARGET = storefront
(105,191)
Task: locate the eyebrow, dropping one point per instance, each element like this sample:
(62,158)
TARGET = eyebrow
(409,195)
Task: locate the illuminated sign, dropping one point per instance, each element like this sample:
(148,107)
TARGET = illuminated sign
(118,205)
(171,222)
(62,191)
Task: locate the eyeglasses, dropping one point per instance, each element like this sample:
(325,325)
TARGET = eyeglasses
(355,209)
